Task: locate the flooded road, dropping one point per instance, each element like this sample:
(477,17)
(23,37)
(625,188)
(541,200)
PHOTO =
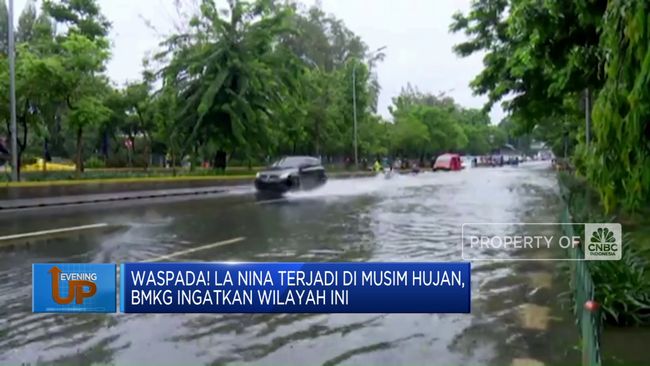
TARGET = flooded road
(516,314)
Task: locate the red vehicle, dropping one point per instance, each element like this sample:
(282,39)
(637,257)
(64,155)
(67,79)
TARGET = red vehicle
(448,162)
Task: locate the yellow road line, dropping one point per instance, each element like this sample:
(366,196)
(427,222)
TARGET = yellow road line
(50,232)
(192,250)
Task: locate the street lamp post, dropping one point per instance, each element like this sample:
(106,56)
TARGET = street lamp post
(12,92)
(354,107)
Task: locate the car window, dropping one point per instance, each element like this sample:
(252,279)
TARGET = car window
(292,162)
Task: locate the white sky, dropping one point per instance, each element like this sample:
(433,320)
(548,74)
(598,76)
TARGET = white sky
(415,33)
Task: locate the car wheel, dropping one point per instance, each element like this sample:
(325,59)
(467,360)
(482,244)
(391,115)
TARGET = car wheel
(293,182)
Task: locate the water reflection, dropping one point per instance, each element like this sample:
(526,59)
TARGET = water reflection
(408,218)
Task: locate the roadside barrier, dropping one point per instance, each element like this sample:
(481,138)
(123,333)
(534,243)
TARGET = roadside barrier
(585,308)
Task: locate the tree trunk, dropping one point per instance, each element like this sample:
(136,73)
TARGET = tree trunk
(80,167)
(19,161)
(220,160)
(130,149)
(193,158)
(147,152)
(46,154)
(173,164)
(21,143)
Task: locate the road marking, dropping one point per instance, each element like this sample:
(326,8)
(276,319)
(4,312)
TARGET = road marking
(50,232)
(208,246)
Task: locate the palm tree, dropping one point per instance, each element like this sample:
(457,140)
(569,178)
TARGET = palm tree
(231,74)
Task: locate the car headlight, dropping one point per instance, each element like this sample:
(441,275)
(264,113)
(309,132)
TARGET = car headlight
(284,175)
(257,175)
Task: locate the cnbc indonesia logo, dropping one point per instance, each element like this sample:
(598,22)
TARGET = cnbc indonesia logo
(82,287)
(603,241)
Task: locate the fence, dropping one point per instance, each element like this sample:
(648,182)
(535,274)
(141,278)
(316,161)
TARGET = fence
(588,317)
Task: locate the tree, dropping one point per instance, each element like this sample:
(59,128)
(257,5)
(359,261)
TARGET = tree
(87,111)
(165,107)
(81,17)
(553,54)
(330,50)
(26,23)
(4,29)
(83,50)
(410,137)
(536,52)
(231,74)
(81,88)
(618,161)
(137,99)
(37,78)
(439,114)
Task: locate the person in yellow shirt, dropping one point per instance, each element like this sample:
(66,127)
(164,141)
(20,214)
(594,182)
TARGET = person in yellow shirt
(377,166)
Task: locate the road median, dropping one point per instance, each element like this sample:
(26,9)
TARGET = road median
(23,195)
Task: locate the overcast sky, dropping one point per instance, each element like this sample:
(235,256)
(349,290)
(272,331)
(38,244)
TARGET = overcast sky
(414,32)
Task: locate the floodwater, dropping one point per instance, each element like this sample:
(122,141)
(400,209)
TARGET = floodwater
(518,309)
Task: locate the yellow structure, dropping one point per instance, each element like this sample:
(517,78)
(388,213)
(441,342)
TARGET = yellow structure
(38,166)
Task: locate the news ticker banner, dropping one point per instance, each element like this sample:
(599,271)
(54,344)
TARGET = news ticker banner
(254,287)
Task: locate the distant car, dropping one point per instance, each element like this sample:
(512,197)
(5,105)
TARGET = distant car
(448,162)
(291,173)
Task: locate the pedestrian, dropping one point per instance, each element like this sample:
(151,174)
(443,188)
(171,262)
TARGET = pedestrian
(377,167)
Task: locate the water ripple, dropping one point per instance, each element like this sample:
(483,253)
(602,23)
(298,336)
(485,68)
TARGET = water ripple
(408,218)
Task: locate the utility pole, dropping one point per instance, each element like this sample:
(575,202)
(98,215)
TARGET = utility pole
(354,114)
(12,93)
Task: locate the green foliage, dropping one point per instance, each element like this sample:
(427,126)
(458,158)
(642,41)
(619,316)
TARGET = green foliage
(4,29)
(618,162)
(536,52)
(230,74)
(428,125)
(88,111)
(94,162)
(252,81)
(410,136)
(622,287)
(82,17)
(541,57)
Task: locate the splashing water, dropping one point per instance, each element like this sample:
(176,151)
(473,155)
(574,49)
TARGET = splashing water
(365,186)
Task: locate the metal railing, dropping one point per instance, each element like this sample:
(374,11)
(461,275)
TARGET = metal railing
(588,317)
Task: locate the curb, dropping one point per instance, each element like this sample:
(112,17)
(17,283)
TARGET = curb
(80,200)
(138,195)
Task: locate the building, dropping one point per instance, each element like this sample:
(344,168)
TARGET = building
(541,151)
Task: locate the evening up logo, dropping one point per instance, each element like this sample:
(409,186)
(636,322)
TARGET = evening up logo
(603,242)
(82,287)
(73,288)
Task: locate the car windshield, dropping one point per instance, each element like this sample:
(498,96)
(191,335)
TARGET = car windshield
(291,162)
